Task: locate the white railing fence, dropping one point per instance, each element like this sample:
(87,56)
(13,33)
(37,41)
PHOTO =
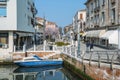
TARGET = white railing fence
(110,57)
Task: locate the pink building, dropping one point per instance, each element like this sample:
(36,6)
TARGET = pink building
(52,29)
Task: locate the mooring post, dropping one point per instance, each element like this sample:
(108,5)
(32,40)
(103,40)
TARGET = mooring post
(99,60)
(111,65)
(84,69)
(70,51)
(14,50)
(90,58)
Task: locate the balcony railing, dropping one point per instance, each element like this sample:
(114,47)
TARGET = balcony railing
(113,1)
(33,10)
(112,21)
(97,9)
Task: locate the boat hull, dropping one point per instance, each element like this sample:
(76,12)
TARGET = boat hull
(38,63)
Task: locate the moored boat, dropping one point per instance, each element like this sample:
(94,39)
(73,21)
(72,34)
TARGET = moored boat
(36,61)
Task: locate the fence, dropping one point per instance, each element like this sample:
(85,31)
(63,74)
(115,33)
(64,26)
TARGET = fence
(107,57)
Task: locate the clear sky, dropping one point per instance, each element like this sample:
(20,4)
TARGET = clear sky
(59,11)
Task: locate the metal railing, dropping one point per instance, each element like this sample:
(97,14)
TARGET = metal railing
(107,57)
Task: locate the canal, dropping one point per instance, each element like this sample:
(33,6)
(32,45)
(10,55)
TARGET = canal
(13,72)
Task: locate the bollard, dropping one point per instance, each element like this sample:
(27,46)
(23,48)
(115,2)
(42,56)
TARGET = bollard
(24,48)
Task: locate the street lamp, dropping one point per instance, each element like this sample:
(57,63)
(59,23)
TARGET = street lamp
(44,25)
(118,30)
(78,51)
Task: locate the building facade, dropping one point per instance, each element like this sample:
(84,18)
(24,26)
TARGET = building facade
(79,21)
(40,29)
(17,20)
(68,33)
(102,19)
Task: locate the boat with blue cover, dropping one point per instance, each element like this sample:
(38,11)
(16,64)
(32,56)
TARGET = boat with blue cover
(35,61)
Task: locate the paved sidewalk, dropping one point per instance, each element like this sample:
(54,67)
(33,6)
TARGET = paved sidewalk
(95,48)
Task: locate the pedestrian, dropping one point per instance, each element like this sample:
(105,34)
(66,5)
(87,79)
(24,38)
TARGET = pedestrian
(91,46)
(21,44)
(87,45)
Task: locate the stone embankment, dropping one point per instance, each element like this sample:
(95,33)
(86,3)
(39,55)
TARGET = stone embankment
(44,55)
(93,70)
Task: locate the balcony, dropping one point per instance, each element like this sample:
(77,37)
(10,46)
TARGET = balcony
(33,10)
(87,14)
(112,21)
(96,25)
(113,1)
(103,3)
(97,9)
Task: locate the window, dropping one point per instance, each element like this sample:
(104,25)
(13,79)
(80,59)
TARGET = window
(81,16)
(113,16)
(97,19)
(103,3)
(29,20)
(3,11)
(3,40)
(103,18)
(91,7)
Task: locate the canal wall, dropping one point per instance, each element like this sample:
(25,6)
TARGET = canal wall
(12,56)
(20,55)
(97,72)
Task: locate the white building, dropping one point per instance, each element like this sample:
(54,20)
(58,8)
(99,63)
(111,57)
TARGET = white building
(16,23)
(102,22)
(79,19)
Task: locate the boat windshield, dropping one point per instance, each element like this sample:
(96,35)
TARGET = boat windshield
(37,57)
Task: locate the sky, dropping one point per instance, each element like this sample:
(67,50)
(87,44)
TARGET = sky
(59,11)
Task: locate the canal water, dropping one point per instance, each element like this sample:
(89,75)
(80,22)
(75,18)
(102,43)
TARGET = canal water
(12,72)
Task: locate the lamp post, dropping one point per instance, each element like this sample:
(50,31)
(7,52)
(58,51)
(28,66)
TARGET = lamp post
(35,38)
(78,51)
(44,25)
(119,33)
(44,41)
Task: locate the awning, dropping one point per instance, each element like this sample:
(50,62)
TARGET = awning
(95,33)
(112,36)
(24,34)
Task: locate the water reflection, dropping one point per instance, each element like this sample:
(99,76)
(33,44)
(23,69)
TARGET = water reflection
(39,73)
(12,72)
